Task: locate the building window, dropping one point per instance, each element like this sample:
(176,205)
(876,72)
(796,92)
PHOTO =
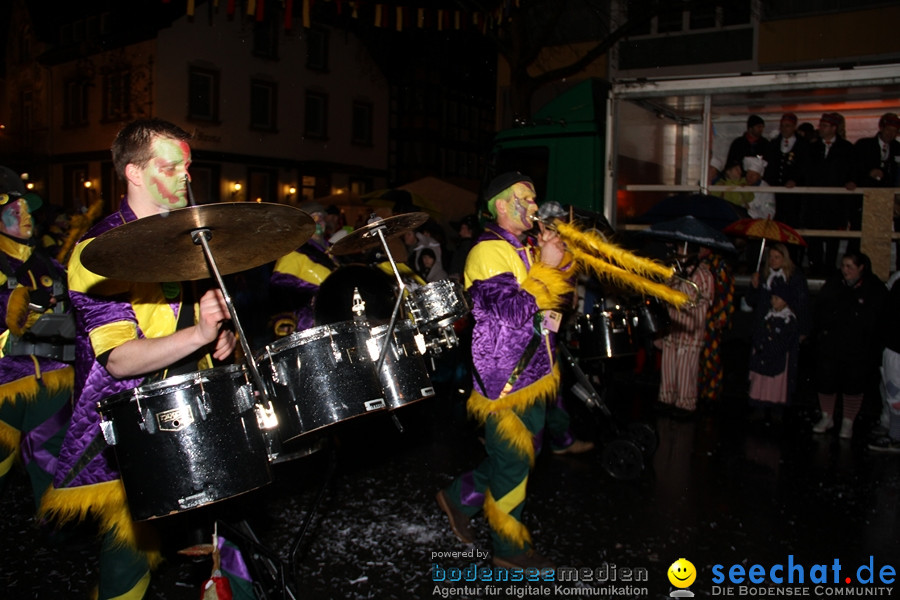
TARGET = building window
(117,95)
(317,50)
(265,38)
(75,103)
(263,105)
(362,123)
(315,122)
(27,102)
(203,94)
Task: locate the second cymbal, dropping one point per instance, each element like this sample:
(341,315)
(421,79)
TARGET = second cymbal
(366,237)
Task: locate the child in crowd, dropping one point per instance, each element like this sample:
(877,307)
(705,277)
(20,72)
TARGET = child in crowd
(773,342)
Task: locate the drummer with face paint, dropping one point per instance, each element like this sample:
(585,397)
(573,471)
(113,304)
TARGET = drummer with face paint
(129,333)
(516,291)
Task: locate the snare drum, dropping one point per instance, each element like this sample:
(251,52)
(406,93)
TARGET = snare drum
(319,377)
(403,375)
(186,441)
(438,304)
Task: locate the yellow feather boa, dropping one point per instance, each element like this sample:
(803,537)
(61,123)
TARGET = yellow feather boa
(107,502)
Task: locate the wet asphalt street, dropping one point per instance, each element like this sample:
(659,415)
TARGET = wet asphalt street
(722,490)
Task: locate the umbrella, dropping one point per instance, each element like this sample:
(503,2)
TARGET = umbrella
(765,229)
(712,210)
(690,230)
(401,201)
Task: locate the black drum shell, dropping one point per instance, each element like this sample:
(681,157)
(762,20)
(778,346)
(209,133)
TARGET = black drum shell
(319,377)
(653,318)
(403,375)
(606,333)
(186,441)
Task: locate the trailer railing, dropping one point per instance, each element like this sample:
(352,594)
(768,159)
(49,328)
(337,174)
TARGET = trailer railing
(875,234)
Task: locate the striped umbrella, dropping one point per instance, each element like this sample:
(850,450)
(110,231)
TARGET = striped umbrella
(765,229)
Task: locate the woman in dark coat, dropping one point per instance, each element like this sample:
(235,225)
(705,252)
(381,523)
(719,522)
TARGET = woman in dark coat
(849,318)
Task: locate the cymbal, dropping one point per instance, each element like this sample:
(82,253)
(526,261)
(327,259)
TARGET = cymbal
(366,237)
(160,247)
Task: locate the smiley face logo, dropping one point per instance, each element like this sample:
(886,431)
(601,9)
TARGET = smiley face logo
(682,573)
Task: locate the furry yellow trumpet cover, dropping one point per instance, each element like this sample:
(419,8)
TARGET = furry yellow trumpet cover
(624,278)
(591,243)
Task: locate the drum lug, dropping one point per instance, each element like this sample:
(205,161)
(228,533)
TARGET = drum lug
(273,367)
(420,344)
(148,421)
(109,432)
(244,399)
(265,416)
(203,404)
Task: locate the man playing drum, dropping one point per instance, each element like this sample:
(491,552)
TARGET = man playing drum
(127,332)
(515,290)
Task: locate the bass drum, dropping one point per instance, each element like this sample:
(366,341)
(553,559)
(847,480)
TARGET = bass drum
(320,377)
(404,375)
(186,441)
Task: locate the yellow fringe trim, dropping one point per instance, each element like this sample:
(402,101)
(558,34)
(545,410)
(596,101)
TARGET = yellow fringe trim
(19,317)
(590,242)
(27,388)
(505,524)
(480,406)
(620,276)
(10,437)
(6,464)
(137,592)
(512,430)
(509,426)
(548,285)
(107,502)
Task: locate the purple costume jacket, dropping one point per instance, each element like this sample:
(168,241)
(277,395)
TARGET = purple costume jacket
(108,314)
(505,308)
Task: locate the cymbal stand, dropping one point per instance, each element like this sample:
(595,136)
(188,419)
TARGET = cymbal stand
(379,231)
(201,237)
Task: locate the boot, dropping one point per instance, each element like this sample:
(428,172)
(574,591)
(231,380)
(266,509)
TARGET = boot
(825,423)
(846,429)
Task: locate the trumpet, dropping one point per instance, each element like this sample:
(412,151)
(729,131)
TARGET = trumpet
(610,262)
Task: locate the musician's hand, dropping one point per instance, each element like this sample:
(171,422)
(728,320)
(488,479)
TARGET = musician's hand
(552,248)
(754,280)
(213,312)
(225,344)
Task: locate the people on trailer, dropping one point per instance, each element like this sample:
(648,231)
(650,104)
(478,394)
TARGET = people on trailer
(127,334)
